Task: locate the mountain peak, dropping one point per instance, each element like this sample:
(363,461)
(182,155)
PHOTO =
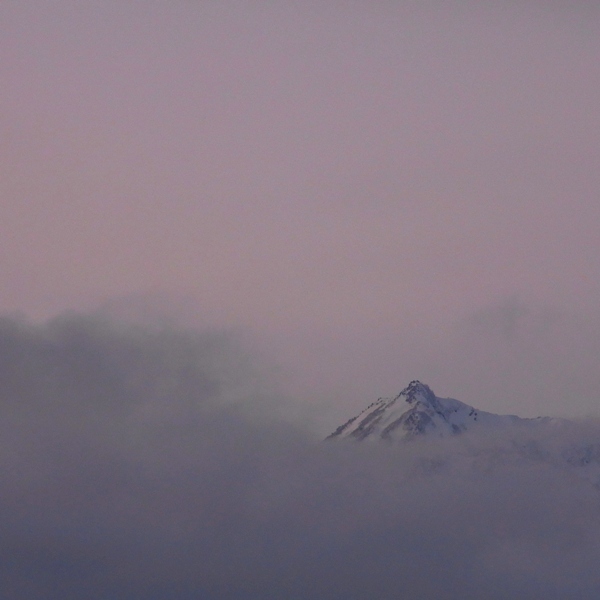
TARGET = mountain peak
(416,411)
(416,391)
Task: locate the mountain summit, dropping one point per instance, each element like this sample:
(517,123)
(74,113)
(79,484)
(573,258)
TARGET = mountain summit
(416,411)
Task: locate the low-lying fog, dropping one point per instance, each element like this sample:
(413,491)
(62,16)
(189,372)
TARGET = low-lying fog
(150,463)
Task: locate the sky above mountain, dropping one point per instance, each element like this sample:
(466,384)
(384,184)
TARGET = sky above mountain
(369,192)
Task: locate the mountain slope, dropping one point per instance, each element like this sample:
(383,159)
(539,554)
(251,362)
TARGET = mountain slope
(417,411)
(490,440)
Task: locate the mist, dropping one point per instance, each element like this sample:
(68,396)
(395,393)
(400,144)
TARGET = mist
(160,462)
(252,220)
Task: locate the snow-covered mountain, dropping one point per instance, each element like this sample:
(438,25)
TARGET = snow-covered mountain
(416,411)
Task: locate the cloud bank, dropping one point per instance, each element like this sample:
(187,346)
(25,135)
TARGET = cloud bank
(144,463)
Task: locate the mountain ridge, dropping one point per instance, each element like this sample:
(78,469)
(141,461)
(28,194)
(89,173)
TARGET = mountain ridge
(417,411)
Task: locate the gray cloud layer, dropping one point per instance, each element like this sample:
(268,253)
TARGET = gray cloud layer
(142,463)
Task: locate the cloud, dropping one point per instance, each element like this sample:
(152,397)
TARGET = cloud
(147,463)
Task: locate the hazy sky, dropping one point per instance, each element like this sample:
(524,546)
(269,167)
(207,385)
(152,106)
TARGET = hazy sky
(307,205)
(369,191)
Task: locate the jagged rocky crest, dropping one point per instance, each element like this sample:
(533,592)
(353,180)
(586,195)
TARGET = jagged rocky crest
(416,411)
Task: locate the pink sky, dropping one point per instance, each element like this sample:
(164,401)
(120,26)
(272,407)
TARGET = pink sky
(374,191)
